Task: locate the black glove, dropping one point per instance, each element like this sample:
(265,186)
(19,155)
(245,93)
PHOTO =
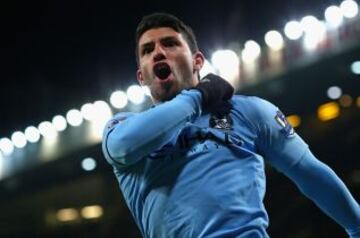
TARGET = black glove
(214,89)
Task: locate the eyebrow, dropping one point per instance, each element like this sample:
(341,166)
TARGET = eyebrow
(163,39)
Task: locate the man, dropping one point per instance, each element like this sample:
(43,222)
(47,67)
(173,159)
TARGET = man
(193,165)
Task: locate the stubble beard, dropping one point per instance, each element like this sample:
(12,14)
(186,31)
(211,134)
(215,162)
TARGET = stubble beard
(165,92)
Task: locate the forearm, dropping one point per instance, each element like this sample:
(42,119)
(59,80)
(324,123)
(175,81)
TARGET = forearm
(318,182)
(145,132)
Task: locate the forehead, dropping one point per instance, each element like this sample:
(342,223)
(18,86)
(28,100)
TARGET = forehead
(156,34)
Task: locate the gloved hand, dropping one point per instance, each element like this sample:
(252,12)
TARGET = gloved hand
(214,89)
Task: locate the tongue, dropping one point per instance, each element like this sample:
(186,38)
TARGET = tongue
(162,71)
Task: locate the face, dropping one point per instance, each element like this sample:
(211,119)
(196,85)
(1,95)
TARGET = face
(161,46)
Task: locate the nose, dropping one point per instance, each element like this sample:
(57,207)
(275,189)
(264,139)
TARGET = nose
(159,53)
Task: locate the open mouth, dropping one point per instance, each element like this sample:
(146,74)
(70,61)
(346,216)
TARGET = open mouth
(162,70)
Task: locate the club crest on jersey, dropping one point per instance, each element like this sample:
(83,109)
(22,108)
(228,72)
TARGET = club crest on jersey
(280,118)
(221,121)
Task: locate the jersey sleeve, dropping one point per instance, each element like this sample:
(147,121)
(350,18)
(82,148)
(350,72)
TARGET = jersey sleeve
(289,154)
(276,140)
(129,137)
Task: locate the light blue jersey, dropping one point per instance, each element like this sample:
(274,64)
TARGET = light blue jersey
(186,173)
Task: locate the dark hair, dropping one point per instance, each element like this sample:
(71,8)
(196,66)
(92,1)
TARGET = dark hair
(157,20)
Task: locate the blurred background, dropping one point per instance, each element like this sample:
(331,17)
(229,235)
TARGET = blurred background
(67,67)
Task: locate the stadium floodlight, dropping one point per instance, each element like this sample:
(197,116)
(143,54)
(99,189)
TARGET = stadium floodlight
(349,8)
(227,63)
(294,120)
(74,117)
(88,164)
(251,51)
(293,30)
(207,69)
(92,212)
(334,16)
(358,101)
(19,140)
(315,32)
(67,215)
(355,67)
(345,100)
(135,94)
(47,130)
(1,163)
(32,134)
(328,111)
(101,116)
(6,146)
(334,92)
(146,90)
(87,111)
(118,99)
(309,23)
(102,111)
(59,122)
(274,40)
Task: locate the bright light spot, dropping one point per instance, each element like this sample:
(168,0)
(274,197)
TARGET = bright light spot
(6,146)
(333,16)
(251,51)
(274,40)
(349,8)
(334,92)
(345,100)
(67,214)
(207,69)
(293,30)
(32,134)
(92,212)
(88,164)
(135,94)
(102,111)
(308,23)
(118,99)
(328,111)
(59,123)
(315,32)
(19,140)
(358,101)
(355,67)
(47,130)
(102,114)
(1,163)
(294,120)
(146,90)
(74,117)
(227,63)
(87,111)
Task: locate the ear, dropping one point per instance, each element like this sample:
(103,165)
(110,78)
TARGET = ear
(199,60)
(139,77)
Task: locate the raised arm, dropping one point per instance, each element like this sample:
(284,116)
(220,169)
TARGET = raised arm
(289,154)
(129,137)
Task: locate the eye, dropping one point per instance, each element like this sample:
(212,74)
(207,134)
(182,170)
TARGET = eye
(146,50)
(170,43)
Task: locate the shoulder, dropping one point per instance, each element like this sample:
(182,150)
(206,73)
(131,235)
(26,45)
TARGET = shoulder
(116,119)
(252,105)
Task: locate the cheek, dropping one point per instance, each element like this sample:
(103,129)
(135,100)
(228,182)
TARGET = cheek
(146,75)
(185,62)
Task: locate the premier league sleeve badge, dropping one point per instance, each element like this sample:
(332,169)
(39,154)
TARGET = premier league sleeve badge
(287,129)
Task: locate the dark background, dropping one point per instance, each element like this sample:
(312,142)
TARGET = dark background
(56,55)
